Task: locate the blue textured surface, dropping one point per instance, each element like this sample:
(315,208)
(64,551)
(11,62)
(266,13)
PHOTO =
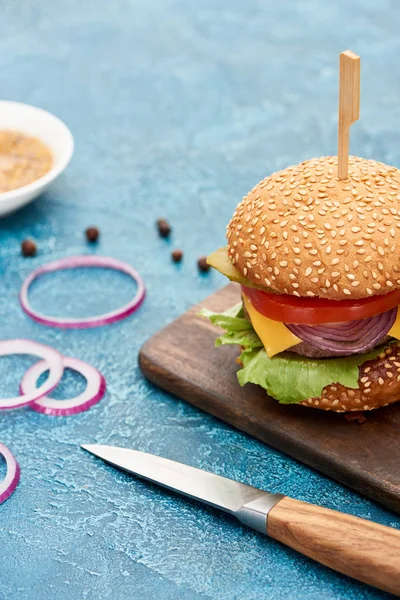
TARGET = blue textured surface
(178,107)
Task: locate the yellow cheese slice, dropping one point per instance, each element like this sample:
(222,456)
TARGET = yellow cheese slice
(274,335)
(395,330)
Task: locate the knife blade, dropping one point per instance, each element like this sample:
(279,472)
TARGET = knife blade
(247,503)
(361,549)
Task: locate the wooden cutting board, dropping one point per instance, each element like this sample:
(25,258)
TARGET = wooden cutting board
(182,360)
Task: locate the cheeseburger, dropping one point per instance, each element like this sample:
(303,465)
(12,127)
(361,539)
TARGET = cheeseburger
(317,259)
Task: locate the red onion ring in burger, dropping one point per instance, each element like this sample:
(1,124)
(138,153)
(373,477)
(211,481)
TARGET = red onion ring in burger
(350,337)
(75,262)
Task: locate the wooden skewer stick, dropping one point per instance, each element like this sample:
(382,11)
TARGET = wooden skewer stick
(349,106)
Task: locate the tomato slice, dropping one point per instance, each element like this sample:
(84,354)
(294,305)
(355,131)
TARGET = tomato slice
(311,311)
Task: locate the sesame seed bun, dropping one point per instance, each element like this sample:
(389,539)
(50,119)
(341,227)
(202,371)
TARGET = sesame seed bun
(302,231)
(379,385)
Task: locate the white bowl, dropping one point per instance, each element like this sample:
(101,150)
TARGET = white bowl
(52,132)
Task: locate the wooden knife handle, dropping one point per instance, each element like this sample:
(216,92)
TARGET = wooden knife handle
(361,549)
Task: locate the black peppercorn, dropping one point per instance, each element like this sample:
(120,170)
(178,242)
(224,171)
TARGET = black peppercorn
(203,264)
(92,234)
(177,255)
(28,248)
(164,228)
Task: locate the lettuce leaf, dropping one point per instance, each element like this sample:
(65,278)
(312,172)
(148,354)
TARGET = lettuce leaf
(232,320)
(287,377)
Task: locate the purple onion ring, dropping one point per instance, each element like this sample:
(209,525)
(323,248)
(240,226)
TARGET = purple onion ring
(10,481)
(55,366)
(95,389)
(75,262)
(349,337)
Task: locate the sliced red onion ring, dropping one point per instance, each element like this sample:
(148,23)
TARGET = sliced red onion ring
(95,389)
(75,262)
(54,362)
(350,337)
(10,481)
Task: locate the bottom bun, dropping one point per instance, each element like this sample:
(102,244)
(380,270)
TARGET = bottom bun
(379,385)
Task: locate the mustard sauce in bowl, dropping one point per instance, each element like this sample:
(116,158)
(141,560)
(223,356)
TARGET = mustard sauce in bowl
(23,159)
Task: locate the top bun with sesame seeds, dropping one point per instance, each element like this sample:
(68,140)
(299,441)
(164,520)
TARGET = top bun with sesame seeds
(302,231)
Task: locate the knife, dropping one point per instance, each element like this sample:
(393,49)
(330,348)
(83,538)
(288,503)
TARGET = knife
(361,549)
